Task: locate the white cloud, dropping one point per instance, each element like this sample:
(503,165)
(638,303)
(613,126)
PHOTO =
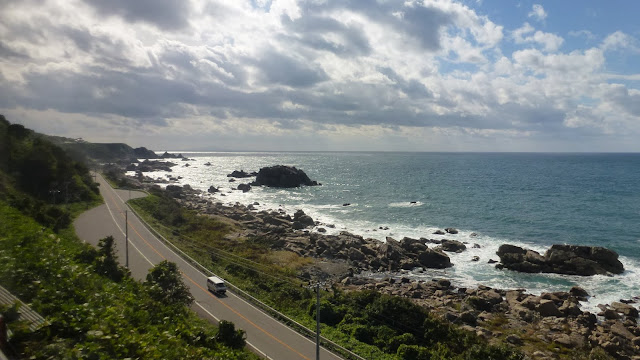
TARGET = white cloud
(619,41)
(527,34)
(538,12)
(268,73)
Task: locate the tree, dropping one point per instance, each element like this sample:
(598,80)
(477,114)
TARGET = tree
(228,335)
(106,263)
(165,284)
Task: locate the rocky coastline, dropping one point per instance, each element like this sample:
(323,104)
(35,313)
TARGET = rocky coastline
(541,325)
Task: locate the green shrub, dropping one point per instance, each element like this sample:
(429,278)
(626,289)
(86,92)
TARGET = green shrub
(164,284)
(395,342)
(228,335)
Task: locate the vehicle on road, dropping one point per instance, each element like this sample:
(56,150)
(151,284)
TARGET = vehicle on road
(216,285)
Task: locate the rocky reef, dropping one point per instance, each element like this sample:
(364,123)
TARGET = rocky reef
(282,177)
(561,259)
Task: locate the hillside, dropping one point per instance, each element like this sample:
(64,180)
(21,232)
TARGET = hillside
(101,152)
(92,307)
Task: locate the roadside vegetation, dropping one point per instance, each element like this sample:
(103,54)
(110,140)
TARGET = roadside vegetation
(367,322)
(92,307)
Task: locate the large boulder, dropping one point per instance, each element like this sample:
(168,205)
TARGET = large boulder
(434,259)
(302,220)
(561,259)
(583,260)
(241,174)
(244,187)
(283,177)
(452,246)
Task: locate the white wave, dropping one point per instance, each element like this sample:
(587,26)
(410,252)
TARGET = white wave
(406,204)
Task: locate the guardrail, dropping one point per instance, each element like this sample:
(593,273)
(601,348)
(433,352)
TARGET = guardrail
(301,329)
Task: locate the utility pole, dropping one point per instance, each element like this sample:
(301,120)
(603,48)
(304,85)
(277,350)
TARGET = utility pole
(126,236)
(317,285)
(317,320)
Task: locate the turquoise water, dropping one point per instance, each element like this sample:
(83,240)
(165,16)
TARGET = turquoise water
(532,200)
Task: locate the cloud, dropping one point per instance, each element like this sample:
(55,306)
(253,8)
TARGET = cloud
(619,41)
(273,70)
(165,14)
(8,52)
(280,69)
(328,34)
(550,42)
(537,12)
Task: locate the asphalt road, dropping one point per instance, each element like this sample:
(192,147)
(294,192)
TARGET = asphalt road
(265,335)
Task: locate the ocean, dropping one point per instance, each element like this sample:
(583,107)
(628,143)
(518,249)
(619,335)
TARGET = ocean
(532,200)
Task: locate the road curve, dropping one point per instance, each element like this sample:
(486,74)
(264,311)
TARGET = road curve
(265,335)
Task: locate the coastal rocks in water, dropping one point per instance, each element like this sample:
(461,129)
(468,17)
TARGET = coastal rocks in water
(561,259)
(241,174)
(283,177)
(213,189)
(580,293)
(154,165)
(452,246)
(244,187)
(166,155)
(451,230)
(434,259)
(302,220)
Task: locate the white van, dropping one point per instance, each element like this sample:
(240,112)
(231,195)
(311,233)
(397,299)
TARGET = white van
(216,285)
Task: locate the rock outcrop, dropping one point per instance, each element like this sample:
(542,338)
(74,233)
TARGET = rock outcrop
(244,187)
(144,153)
(561,259)
(154,165)
(283,177)
(241,174)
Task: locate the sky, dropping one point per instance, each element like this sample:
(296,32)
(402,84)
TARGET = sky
(324,75)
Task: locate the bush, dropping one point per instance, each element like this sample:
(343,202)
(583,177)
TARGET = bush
(106,261)
(165,284)
(395,342)
(329,314)
(228,335)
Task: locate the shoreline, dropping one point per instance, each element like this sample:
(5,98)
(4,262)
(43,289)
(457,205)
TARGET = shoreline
(476,308)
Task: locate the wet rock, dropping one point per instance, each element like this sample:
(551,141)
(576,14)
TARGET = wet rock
(452,246)
(244,187)
(580,293)
(451,230)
